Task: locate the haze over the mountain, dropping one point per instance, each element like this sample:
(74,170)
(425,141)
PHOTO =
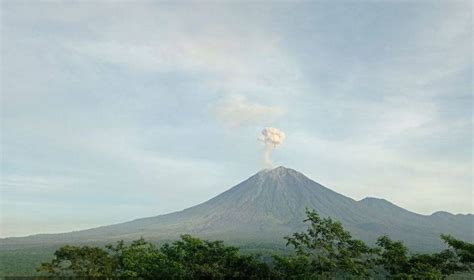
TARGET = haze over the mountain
(270,205)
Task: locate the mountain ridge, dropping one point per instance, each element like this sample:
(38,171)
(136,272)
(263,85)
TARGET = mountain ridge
(270,205)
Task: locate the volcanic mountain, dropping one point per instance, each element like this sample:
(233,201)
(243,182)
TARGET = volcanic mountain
(270,205)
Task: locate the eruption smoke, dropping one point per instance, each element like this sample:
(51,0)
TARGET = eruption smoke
(271,137)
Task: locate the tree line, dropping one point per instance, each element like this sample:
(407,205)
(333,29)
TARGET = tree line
(324,251)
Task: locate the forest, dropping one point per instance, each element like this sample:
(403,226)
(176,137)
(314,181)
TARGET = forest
(324,251)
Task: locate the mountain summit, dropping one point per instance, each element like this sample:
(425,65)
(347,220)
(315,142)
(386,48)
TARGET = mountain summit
(270,205)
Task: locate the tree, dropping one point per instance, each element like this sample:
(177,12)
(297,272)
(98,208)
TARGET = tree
(203,259)
(80,261)
(188,258)
(294,267)
(143,259)
(394,258)
(463,250)
(325,250)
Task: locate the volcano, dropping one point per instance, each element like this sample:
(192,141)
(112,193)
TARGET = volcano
(270,205)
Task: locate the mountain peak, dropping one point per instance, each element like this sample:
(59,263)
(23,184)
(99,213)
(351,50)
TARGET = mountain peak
(380,202)
(278,170)
(441,214)
(374,200)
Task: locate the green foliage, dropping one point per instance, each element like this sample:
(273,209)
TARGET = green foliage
(394,258)
(142,259)
(188,258)
(23,261)
(462,249)
(79,261)
(294,267)
(325,250)
(393,255)
(212,260)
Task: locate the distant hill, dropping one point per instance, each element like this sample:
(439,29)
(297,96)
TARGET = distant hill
(268,206)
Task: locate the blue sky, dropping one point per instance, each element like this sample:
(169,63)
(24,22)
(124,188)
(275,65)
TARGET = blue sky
(118,110)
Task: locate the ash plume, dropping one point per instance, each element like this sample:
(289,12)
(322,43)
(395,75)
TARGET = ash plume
(271,137)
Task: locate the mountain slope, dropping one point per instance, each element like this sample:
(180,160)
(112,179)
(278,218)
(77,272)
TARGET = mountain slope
(270,205)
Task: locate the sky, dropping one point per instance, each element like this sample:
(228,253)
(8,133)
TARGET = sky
(117,110)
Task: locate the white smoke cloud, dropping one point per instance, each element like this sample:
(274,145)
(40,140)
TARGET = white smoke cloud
(271,137)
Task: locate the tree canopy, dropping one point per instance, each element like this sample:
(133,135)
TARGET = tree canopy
(188,258)
(324,251)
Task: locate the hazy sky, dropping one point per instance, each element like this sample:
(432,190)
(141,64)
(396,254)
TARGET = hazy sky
(118,110)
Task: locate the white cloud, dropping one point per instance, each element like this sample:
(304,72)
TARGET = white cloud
(239,66)
(227,59)
(237,111)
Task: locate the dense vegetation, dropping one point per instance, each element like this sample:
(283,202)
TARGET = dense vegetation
(325,251)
